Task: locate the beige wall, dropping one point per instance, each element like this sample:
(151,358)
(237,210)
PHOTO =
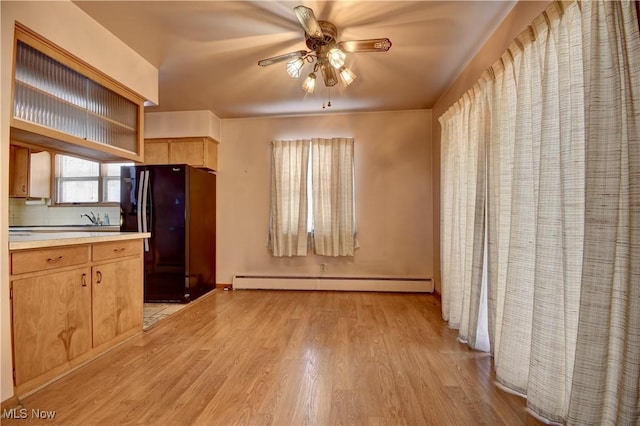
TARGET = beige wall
(393,194)
(176,124)
(67,26)
(522,14)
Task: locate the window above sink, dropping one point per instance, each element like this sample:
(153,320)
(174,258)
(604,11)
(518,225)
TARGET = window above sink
(79,181)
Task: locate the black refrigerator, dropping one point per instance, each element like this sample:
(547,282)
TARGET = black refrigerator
(176,203)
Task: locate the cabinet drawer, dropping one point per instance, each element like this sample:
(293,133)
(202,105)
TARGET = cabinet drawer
(106,251)
(39,260)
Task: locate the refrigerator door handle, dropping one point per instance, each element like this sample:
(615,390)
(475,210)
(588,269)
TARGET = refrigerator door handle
(145,192)
(139,201)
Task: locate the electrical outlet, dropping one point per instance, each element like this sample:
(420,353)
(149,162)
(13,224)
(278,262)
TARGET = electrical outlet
(323,267)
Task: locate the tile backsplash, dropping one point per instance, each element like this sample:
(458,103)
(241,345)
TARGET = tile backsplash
(38,213)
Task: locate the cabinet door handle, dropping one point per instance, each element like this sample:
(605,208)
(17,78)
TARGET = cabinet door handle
(99,274)
(54,259)
(118,250)
(24,188)
(84,280)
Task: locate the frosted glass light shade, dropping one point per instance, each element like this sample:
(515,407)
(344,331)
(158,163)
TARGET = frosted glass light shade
(309,84)
(294,67)
(347,76)
(336,57)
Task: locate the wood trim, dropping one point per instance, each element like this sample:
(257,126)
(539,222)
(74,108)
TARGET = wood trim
(140,141)
(38,136)
(11,402)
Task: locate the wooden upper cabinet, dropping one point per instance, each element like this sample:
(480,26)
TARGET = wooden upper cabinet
(18,171)
(156,153)
(62,104)
(195,151)
(29,173)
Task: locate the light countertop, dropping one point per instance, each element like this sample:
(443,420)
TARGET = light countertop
(65,228)
(29,240)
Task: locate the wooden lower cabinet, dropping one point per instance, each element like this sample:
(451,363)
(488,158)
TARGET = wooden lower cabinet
(117,305)
(51,321)
(65,316)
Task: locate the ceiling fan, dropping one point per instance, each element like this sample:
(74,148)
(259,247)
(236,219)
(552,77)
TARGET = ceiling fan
(327,53)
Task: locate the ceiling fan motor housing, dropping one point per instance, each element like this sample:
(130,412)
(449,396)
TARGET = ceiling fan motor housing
(329,36)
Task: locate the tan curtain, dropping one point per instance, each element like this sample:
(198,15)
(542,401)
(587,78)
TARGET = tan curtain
(453,205)
(465,131)
(539,312)
(332,170)
(288,218)
(499,174)
(562,222)
(607,367)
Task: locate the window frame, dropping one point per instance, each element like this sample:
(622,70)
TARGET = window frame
(285,235)
(102,178)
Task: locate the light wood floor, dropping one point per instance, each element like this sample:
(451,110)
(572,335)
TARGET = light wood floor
(288,358)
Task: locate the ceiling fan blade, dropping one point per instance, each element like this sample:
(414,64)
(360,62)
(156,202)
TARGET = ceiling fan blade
(285,57)
(308,21)
(369,45)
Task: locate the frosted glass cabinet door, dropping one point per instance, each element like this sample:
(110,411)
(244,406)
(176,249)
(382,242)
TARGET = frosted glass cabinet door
(57,98)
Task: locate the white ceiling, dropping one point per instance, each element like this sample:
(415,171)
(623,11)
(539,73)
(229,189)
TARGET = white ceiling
(207,51)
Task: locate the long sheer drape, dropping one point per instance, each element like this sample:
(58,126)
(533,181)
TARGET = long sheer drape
(561,120)
(288,218)
(332,179)
(607,370)
(464,175)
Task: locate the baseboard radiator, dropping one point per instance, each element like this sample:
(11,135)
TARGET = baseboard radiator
(344,283)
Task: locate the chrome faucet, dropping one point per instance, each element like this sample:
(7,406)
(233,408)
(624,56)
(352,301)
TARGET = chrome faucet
(92,217)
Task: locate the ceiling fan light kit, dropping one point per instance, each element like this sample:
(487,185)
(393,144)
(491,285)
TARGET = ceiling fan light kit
(347,76)
(309,84)
(336,57)
(328,54)
(294,67)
